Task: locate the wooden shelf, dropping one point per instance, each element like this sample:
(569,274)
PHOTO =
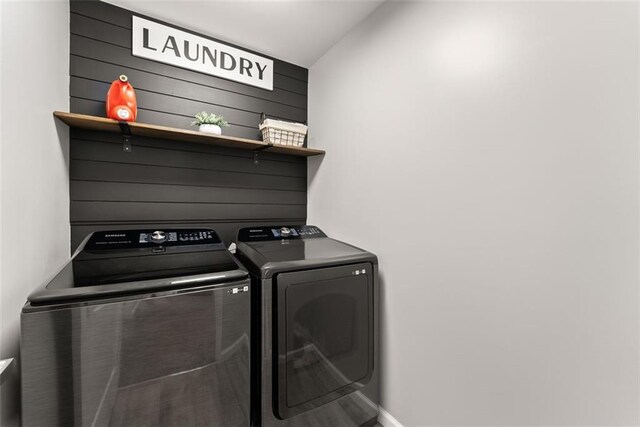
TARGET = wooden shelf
(141,129)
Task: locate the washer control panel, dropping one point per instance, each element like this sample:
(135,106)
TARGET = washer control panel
(136,239)
(288,232)
(184,236)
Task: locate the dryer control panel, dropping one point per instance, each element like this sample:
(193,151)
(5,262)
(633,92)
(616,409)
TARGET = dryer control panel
(283,232)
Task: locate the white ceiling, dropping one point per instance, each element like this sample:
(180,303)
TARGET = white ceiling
(297,31)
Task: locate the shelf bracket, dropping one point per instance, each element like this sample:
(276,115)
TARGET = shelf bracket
(126,136)
(256,154)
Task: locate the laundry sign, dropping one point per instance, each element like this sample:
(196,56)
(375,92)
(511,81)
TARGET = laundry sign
(158,42)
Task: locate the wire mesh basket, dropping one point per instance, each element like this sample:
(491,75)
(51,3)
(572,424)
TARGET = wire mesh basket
(282,133)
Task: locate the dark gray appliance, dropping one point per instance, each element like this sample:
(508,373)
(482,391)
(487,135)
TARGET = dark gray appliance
(140,328)
(315,328)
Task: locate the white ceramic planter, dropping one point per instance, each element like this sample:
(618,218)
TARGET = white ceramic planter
(213,129)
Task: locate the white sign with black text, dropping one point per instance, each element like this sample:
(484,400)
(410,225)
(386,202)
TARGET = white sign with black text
(166,44)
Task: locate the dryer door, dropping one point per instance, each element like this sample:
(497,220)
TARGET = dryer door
(324,336)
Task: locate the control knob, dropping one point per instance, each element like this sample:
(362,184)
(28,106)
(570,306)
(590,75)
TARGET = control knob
(158,237)
(285,232)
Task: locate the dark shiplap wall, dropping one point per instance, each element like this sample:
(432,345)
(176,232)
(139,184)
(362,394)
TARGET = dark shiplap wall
(169,183)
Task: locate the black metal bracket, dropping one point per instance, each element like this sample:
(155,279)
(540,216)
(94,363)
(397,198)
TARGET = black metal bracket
(126,136)
(256,154)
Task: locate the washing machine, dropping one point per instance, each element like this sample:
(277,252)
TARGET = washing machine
(140,328)
(315,328)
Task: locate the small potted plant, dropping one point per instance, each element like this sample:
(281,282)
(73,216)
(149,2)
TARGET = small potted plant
(209,123)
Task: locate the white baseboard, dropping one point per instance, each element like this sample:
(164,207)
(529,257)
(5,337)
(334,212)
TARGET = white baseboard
(386,419)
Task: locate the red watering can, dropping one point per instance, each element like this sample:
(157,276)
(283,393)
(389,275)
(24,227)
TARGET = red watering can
(121,101)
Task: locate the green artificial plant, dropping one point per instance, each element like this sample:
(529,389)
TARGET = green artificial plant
(205,118)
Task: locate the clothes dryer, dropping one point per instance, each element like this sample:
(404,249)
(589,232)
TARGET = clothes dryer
(315,328)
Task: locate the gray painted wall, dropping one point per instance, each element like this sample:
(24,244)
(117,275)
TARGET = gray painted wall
(487,152)
(168,183)
(34,239)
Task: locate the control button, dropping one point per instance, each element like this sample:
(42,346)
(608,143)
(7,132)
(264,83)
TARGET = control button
(285,232)
(158,237)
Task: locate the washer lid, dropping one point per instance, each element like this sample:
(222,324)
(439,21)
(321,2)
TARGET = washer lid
(110,263)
